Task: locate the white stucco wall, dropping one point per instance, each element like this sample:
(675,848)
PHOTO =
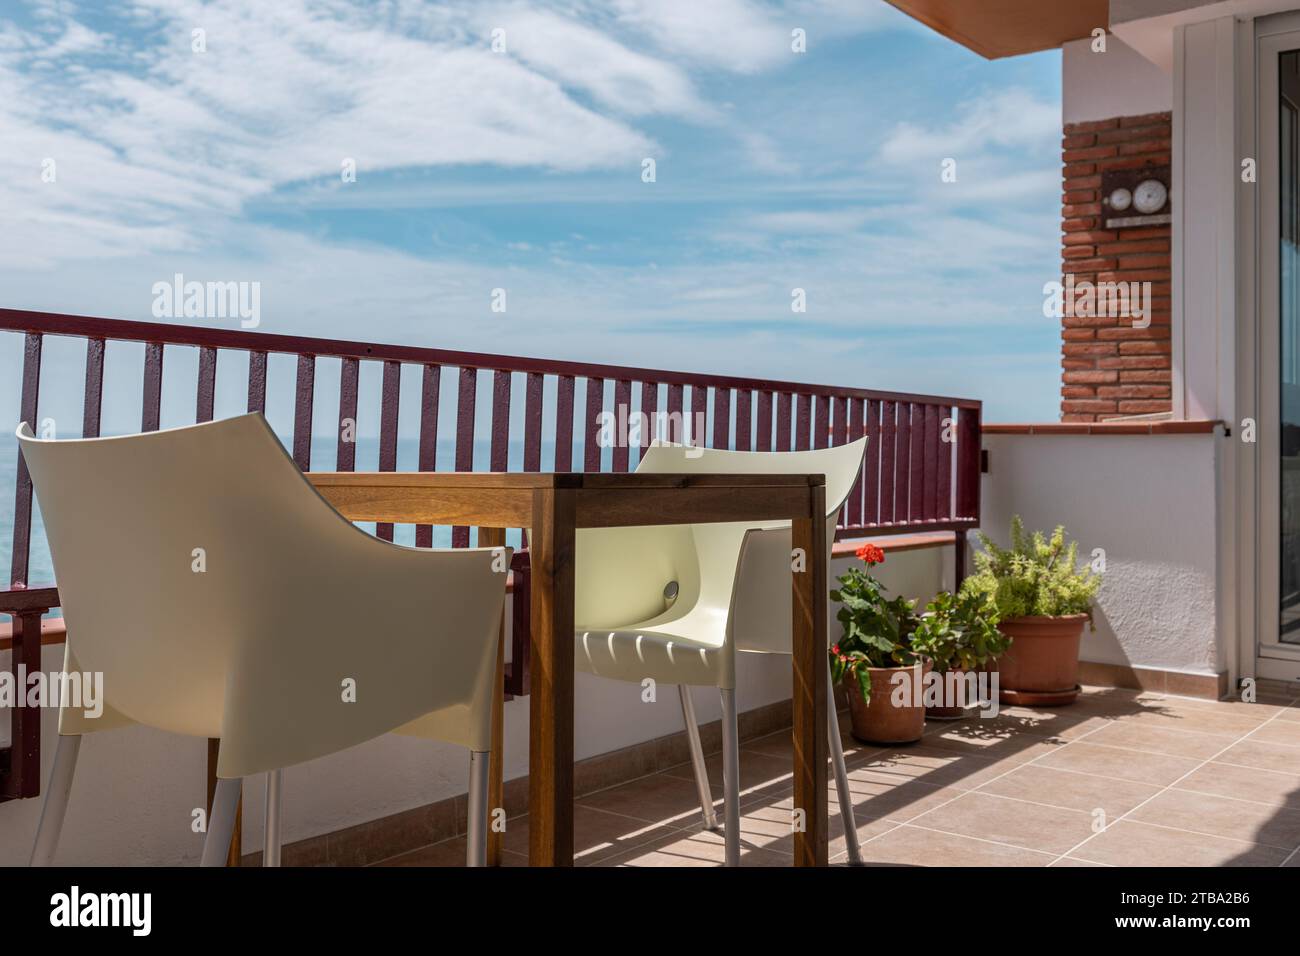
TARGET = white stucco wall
(1149,502)
(135,789)
(1118,82)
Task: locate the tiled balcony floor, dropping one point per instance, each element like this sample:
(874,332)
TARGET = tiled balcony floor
(1119,778)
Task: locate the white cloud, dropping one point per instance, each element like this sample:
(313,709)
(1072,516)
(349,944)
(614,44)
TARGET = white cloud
(1007,118)
(583,58)
(163,157)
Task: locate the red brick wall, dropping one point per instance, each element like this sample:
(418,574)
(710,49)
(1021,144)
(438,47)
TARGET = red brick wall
(1110,369)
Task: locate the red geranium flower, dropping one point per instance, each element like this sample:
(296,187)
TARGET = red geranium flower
(870,554)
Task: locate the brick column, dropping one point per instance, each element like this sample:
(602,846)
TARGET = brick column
(1109,368)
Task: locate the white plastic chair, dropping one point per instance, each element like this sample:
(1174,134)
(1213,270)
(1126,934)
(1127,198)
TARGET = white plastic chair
(675,603)
(221,596)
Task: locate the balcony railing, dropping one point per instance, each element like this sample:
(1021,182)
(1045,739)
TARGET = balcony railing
(921,473)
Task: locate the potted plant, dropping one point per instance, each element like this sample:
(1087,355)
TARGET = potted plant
(1043,598)
(877,659)
(961,632)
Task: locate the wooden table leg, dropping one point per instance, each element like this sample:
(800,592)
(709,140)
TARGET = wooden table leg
(495,538)
(811,750)
(550,750)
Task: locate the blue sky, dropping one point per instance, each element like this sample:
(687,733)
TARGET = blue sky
(522,170)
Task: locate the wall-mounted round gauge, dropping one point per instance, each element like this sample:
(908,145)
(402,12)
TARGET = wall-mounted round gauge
(1120,199)
(1150,196)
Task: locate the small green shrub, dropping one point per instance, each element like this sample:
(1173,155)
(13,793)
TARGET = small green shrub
(961,631)
(1035,576)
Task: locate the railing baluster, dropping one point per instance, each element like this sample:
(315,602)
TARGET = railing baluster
(347,423)
(676,426)
(93,401)
(564,424)
(744,419)
(945,463)
(389,403)
(303,401)
(803,424)
(930,484)
(257,382)
(533,422)
(916,477)
(151,406)
(764,429)
(500,456)
(591,424)
(852,432)
(871,468)
(699,415)
(784,418)
(205,401)
(23,486)
(822,436)
(622,414)
(721,417)
(903,464)
(888,460)
(650,411)
(428,452)
(847,413)
(465,439)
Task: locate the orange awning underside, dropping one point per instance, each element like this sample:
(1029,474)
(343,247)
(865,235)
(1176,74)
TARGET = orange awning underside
(998,28)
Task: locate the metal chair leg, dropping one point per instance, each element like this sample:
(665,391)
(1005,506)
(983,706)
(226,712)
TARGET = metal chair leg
(477,814)
(274,801)
(221,822)
(697,758)
(731,776)
(55,807)
(841,775)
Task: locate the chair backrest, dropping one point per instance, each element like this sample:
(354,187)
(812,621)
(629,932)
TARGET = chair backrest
(221,596)
(755,586)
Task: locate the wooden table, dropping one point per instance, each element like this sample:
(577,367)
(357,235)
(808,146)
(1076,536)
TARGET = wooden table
(554,506)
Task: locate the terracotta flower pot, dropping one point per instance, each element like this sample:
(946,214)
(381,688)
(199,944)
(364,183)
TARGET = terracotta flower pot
(1042,664)
(880,721)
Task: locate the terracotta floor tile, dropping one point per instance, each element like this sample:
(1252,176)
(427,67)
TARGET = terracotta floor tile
(1132,735)
(695,849)
(598,834)
(911,846)
(659,798)
(1003,820)
(1278,732)
(1243,783)
(1071,861)
(1205,720)
(1074,791)
(935,766)
(759,773)
(895,803)
(1128,843)
(1260,755)
(1221,816)
(1044,721)
(1158,769)
(1005,747)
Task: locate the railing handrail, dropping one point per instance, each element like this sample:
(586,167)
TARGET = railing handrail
(125,330)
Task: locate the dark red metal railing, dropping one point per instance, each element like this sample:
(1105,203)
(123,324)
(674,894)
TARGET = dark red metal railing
(921,472)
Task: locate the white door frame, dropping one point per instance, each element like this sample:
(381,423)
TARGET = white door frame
(1273,35)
